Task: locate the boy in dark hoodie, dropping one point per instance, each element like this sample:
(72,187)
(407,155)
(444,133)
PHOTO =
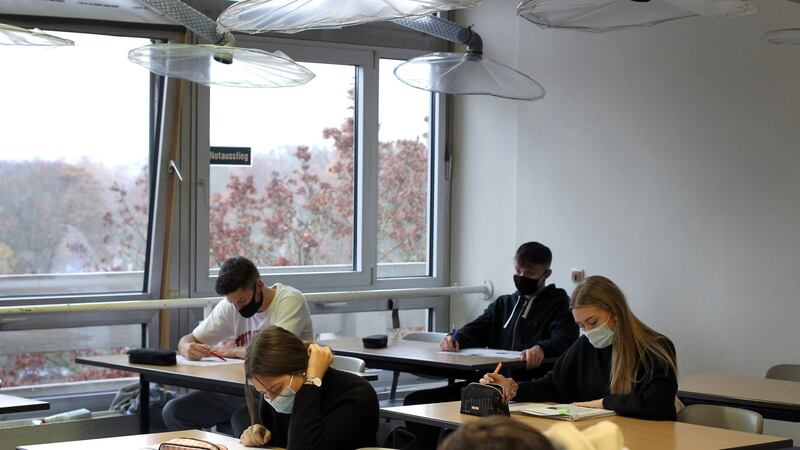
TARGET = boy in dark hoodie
(535,320)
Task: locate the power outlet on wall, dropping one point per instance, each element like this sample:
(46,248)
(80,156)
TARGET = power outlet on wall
(577,275)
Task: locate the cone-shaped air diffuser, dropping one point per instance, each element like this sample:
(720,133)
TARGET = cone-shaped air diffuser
(220,65)
(606,15)
(292,16)
(11,35)
(467,73)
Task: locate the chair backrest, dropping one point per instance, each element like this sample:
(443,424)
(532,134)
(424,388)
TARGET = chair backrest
(723,417)
(349,363)
(425,336)
(789,372)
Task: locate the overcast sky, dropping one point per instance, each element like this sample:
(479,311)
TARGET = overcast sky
(89,101)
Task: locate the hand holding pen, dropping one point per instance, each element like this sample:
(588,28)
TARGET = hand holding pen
(450,342)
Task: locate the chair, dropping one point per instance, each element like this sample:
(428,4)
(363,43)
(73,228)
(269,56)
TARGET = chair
(788,372)
(419,336)
(723,417)
(349,364)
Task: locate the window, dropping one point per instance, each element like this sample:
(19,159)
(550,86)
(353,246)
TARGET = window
(293,207)
(344,188)
(48,356)
(367,323)
(74,168)
(404,176)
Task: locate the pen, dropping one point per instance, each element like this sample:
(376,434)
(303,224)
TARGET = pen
(497,369)
(217,355)
(453,333)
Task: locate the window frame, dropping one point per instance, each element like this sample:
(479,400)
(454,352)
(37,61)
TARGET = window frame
(365,273)
(158,174)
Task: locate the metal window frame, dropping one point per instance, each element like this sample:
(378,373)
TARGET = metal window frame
(365,273)
(157,164)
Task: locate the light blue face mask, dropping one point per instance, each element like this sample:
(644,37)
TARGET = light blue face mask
(283,402)
(600,337)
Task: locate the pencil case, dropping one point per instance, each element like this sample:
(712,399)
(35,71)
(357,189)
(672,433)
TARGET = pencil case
(152,356)
(375,341)
(483,400)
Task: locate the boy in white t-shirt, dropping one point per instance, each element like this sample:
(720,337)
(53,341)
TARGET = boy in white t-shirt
(249,306)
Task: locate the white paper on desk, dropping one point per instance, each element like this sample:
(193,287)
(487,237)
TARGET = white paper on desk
(207,361)
(489,353)
(561,412)
(227,441)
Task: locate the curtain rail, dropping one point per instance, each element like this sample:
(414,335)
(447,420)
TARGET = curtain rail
(208,302)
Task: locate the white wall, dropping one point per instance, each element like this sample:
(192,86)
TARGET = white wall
(667,158)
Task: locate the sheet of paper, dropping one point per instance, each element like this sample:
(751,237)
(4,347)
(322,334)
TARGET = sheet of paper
(207,361)
(227,441)
(562,411)
(489,353)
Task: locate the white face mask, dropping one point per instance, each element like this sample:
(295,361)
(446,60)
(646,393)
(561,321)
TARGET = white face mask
(600,337)
(283,402)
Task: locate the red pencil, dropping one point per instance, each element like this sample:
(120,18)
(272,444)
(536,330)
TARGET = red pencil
(217,355)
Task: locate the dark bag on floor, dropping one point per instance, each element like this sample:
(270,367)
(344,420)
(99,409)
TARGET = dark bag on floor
(152,356)
(396,436)
(483,400)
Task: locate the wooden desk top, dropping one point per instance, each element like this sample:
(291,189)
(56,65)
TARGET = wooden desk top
(137,441)
(228,376)
(417,353)
(639,434)
(13,404)
(775,392)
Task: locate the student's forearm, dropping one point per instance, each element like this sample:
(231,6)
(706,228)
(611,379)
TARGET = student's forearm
(231,352)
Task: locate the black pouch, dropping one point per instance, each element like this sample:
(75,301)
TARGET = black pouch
(375,341)
(152,356)
(483,400)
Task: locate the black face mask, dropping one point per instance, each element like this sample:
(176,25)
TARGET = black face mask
(252,307)
(525,285)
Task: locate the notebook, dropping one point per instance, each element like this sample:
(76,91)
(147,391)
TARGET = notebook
(560,412)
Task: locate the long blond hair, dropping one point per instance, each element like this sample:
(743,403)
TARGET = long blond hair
(635,344)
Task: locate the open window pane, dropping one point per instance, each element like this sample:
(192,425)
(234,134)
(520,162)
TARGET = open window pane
(404,177)
(292,209)
(74,198)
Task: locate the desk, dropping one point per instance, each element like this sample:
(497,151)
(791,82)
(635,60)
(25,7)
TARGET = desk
(12,404)
(137,441)
(639,434)
(418,357)
(773,399)
(224,378)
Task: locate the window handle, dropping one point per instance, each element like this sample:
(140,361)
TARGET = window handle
(174,168)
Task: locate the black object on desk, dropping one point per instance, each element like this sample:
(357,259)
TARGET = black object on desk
(152,356)
(375,341)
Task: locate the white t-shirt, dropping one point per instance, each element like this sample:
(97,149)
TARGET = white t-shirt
(288,310)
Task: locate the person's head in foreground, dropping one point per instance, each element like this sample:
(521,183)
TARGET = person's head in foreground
(496,433)
(277,366)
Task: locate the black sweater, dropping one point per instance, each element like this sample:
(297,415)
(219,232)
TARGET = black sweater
(548,324)
(342,414)
(583,373)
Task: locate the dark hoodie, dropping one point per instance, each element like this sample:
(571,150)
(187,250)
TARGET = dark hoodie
(547,323)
